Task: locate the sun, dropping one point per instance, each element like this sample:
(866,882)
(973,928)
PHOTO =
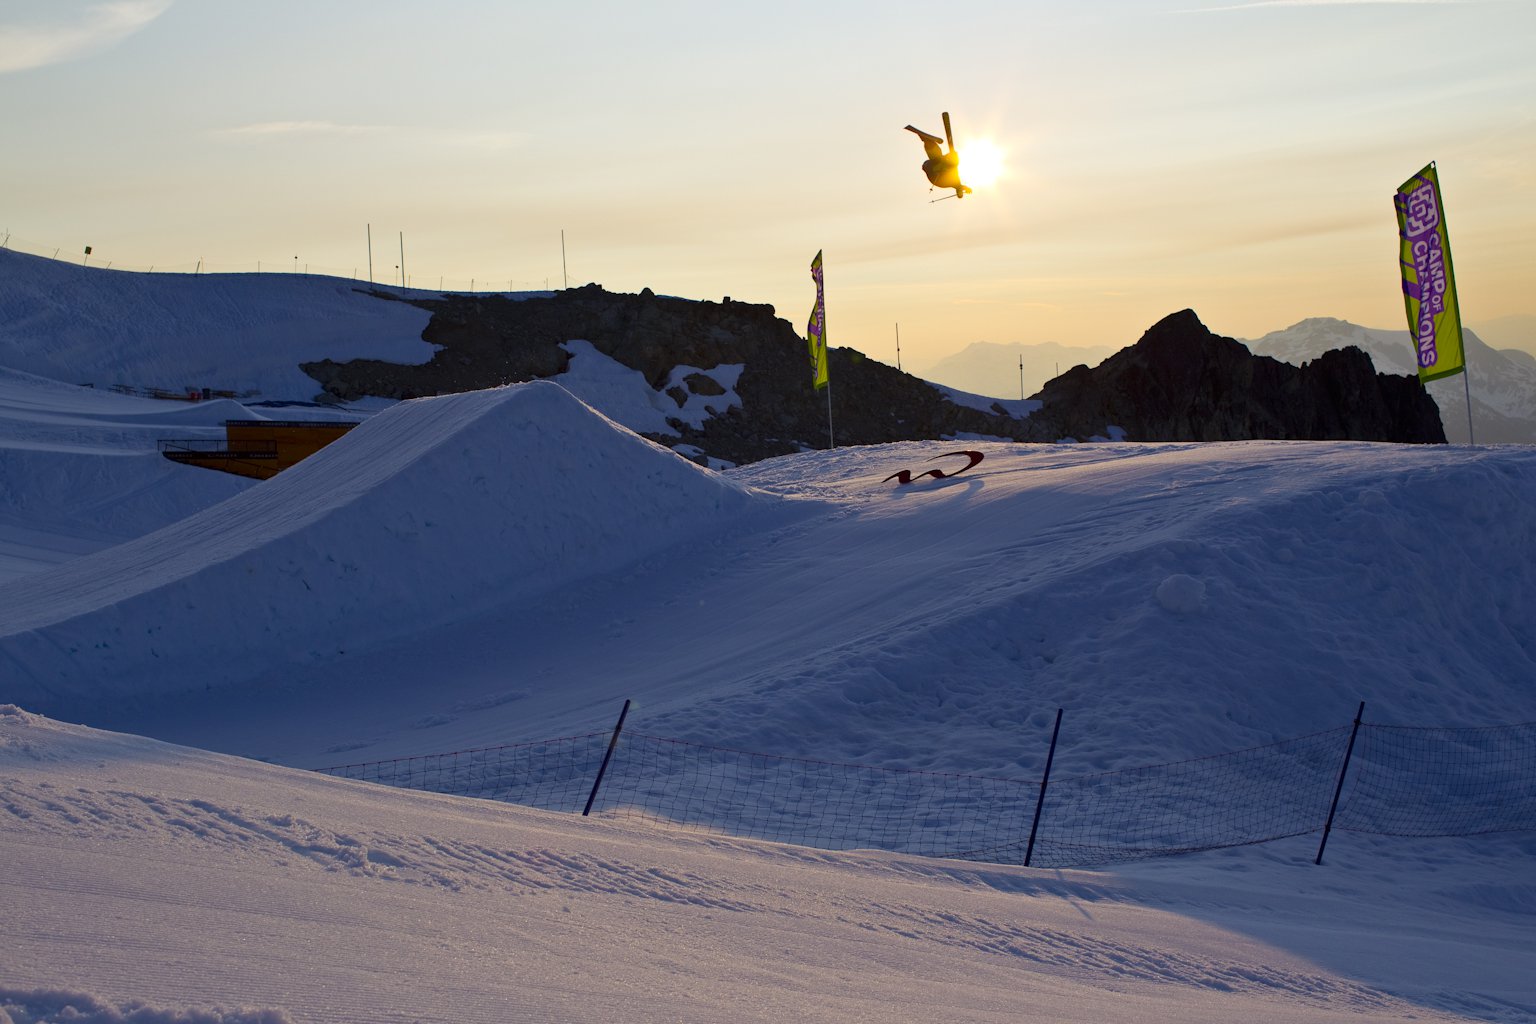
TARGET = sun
(981,163)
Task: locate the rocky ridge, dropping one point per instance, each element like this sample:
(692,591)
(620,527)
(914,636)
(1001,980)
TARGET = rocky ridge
(1179,382)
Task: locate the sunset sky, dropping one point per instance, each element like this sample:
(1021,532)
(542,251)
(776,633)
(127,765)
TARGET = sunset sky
(1237,158)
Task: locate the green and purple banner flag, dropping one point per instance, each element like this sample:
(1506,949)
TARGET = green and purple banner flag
(1429,287)
(816,332)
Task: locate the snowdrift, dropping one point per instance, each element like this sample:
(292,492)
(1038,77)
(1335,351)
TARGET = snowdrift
(103,327)
(427,511)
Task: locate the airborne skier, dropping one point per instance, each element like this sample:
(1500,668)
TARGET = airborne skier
(942,169)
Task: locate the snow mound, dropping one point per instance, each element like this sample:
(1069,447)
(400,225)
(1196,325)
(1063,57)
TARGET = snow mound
(428,510)
(1181,594)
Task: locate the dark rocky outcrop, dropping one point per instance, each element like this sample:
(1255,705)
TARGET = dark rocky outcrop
(1179,382)
(491,340)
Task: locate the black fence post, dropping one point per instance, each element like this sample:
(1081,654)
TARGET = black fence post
(1029,851)
(1343,770)
(607,756)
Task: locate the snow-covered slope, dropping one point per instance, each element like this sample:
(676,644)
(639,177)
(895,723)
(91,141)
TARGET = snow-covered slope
(234,332)
(1502,382)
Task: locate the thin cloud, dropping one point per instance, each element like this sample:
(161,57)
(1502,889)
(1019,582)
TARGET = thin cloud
(483,140)
(280,129)
(99,27)
(461,137)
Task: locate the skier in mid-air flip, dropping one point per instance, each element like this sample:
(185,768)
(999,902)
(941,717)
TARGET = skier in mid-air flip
(942,169)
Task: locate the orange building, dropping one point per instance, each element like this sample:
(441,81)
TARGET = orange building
(257,448)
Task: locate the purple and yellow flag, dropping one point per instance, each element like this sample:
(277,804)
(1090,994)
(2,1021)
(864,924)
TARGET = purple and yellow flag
(816,332)
(1429,287)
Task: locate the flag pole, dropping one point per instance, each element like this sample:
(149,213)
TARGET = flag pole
(831,442)
(1466,368)
(1466,380)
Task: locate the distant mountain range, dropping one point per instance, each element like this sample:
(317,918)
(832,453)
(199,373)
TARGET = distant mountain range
(1502,381)
(1518,331)
(992,368)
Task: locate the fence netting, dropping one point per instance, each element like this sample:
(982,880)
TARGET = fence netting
(555,775)
(1401,781)
(1411,781)
(1235,799)
(822,804)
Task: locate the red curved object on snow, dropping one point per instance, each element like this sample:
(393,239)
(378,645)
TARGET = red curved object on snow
(905,476)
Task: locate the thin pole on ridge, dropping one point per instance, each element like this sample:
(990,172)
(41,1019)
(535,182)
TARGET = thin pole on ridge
(831,438)
(831,441)
(1466,381)
(1029,851)
(370,254)
(607,756)
(1466,371)
(1343,770)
